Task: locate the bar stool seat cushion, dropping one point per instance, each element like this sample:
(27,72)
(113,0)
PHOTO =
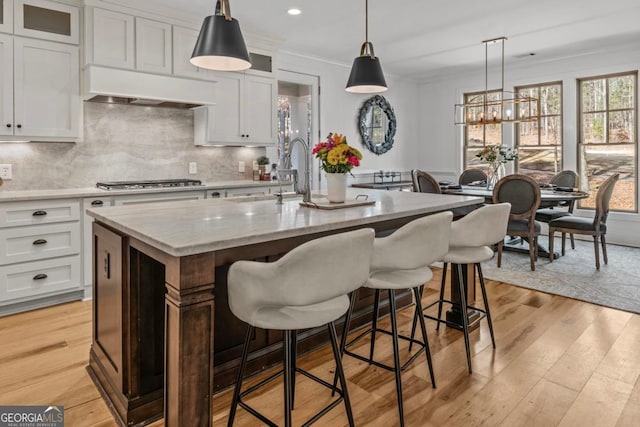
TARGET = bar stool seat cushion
(399,279)
(300,317)
(468,255)
(577,223)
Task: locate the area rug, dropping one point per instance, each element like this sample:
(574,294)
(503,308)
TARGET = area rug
(616,285)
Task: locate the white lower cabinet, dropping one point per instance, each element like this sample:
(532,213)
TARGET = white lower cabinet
(40,254)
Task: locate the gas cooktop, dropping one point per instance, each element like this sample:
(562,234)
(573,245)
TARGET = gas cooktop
(158,183)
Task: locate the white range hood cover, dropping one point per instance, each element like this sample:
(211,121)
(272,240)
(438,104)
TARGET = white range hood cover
(143,86)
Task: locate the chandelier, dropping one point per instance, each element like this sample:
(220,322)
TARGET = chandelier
(502,106)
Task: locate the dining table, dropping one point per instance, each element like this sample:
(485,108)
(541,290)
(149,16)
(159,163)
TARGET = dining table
(550,196)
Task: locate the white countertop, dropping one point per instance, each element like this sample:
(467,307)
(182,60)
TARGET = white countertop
(195,226)
(22,195)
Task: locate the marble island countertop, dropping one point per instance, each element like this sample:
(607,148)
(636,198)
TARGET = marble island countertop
(182,228)
(44,194)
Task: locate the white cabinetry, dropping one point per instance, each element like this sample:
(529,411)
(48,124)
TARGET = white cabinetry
(40,255)
(111,38)
(244,113)
(184,40)
(6,16)
(153,46)
(48,20)
(6,84)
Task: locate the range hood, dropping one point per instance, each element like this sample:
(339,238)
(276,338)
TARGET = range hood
(103,84)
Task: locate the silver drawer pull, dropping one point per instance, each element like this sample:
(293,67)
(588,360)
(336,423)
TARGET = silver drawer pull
(40,242)
(97,203)
(40,276)
(39,213)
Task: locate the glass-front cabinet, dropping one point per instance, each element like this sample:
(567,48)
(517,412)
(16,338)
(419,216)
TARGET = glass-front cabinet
(6,16)
(46,20)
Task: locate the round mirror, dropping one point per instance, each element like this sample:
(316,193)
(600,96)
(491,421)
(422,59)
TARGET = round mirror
(377,124)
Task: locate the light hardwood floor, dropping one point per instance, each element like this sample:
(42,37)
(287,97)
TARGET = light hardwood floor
(558,362)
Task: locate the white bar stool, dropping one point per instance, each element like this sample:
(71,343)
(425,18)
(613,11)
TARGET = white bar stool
(401,261)
(306,288)
(471,238)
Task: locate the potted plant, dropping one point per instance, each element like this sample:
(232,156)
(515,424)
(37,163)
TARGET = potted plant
(263,161)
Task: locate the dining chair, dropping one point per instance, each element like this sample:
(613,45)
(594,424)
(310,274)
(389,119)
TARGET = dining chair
(424,183)
(401,261)
(471,175)
(568,179)
(306,288)
(524,195)
(596,227)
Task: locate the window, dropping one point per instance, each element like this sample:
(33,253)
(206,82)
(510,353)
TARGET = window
(476,137)
(608,141)
(539,143)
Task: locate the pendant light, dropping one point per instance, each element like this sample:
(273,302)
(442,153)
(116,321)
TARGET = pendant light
(510,107)
(220,45)
(366,73)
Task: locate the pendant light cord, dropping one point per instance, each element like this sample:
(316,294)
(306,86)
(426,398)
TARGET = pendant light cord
(225,9)
(366,21)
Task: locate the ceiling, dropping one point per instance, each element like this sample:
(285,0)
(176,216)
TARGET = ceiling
(422,40)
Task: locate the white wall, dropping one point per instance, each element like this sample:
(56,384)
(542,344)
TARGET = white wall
(339,111)
(440,150)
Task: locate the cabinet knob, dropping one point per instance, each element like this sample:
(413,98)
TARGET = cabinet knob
(97,203)
(40,242)
(39,213)
(19,126)
(40,276)
(8,125)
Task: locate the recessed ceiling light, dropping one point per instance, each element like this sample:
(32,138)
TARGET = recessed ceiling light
(294,11)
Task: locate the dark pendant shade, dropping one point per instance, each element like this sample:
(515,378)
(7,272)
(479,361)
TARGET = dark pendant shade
(220,46)
(366,76)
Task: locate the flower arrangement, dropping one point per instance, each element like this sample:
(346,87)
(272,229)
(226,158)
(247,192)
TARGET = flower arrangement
(497,154)
(336,155)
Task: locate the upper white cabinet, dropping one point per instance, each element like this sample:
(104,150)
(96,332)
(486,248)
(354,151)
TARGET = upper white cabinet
(153,46)
(37,100)
(46,89)
(46,20)
(244,113)
(184,40)
(112,38)
(6,16)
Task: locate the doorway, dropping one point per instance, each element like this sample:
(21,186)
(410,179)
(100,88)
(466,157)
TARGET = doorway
(298,117)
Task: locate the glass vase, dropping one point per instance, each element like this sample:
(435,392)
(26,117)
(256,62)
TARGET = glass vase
(495,173)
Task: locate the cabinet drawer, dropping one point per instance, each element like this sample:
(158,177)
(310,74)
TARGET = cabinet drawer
(20,244)
(29,213)
(39,278)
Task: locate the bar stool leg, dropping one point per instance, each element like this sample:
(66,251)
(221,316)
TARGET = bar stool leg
(396,354)
(241,368)
(486,303)
(465,319)
(294,357)
(287,378)
(340,372)
(442,284)
(416,313)
(374,325)
(345,332)
(425,340)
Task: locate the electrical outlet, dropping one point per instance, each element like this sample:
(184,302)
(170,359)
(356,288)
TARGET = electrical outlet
(240,166)
(6,171)
(193,168)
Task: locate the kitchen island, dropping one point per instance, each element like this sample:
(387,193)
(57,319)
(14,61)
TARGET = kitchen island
(161,323)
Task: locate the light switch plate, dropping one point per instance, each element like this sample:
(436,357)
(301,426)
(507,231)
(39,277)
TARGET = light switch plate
(6,171)
(193,168)
(240,166)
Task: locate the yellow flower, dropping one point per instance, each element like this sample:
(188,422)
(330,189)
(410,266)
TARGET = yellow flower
(333,157)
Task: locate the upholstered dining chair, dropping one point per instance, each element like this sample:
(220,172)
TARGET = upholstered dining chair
(424,183)
(524,195)
(565,178)
(306,288)
(471,175)
(596,227)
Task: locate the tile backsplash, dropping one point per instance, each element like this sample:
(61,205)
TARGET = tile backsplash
(123,142)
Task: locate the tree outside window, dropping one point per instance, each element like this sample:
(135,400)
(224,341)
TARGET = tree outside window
(476,137)
(608,141)
(539,143)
